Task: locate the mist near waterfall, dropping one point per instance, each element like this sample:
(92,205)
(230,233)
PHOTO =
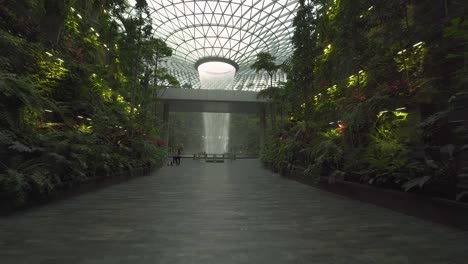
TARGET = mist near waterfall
(216,76)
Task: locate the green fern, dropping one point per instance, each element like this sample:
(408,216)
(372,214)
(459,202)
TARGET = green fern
(20,147)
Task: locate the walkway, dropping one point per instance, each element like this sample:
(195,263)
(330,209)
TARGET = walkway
(222,213)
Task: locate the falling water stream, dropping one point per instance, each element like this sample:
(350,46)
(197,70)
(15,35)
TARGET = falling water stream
(216,76)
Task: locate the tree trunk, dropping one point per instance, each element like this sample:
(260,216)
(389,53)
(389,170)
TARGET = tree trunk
(271,80)
(53,21)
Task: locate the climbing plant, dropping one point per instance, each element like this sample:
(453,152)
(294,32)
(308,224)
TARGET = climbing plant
(363,75)
(78,86)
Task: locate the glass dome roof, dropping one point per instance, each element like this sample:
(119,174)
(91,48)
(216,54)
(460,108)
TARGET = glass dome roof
(232,29)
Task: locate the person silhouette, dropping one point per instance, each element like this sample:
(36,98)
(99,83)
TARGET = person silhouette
(179,153)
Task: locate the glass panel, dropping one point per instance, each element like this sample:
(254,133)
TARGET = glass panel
(233,29)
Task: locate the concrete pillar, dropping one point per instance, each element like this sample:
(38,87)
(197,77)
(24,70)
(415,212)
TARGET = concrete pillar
(272,113)
(263,125)
(165,124)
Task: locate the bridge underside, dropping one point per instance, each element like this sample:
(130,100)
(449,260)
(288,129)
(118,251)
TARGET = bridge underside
(213,106)
(211,101)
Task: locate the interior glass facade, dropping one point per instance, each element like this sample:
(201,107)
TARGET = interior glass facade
(232,29)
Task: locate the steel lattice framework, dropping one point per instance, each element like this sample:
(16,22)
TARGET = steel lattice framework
(233,29)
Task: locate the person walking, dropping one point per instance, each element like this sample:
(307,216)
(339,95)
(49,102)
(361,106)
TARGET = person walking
(179,153)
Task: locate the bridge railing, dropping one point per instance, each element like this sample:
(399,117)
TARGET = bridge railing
(205,156)
(209,95)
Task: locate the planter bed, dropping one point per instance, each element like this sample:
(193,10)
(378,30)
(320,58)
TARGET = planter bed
(438,210)
(70,189)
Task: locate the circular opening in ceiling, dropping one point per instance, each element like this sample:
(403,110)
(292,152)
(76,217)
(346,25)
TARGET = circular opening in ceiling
(216,75)
(216,68)
(215,65)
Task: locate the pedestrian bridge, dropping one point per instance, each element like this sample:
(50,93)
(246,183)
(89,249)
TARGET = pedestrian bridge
(214,101)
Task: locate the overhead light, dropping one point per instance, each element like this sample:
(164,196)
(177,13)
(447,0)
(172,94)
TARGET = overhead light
(49,54)
(400,109)
(331,123)
(72,9)
(80,117)
(105,46)
(418,44)
(48,111)
(97,34)
(92,29)
(79,16)
(370,8)
(89,119)
(60,60)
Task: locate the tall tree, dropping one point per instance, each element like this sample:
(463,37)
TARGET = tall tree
(265,61)
(305,51)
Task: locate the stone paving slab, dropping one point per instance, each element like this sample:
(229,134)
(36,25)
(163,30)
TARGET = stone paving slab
(233,212)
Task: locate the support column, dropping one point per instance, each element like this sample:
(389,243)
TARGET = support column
(165,124)
(263,125)
(272,112)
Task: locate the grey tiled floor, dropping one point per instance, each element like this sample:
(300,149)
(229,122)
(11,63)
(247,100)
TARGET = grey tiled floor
(222,213)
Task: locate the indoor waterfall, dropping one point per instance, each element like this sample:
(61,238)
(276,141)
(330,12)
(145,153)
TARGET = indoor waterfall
(216,76)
